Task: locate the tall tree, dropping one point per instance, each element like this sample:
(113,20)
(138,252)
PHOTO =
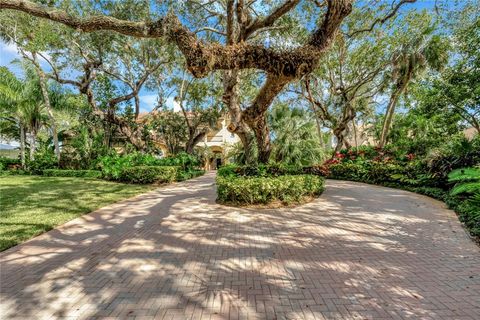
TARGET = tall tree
(348,79)
(418,50)
(21,104)
(457,89)
(18,32)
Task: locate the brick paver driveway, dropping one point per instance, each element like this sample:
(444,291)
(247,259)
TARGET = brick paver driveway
(358,252)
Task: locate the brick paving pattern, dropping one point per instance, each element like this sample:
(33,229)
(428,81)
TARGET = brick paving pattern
(357,252)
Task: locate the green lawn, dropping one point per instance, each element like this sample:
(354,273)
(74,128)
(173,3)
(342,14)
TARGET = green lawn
(30,205)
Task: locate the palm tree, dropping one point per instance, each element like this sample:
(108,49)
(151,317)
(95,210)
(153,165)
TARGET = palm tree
(21,105)
(294,135)
(408,63)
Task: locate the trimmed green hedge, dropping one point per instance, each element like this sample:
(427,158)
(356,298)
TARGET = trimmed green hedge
(18,172)
(5,163)
(263,190)
(270,170)
(72,173)
(149,174)
(185,175)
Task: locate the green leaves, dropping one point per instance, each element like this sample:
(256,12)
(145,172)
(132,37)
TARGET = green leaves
(264,190)
(467,181)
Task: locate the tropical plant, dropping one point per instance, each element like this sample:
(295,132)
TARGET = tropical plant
(467,181)
(419,50)
(21,106)
(295,141)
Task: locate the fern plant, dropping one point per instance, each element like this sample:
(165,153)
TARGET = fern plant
(467,181)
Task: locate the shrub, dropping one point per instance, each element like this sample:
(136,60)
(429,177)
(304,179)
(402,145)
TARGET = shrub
(113,165)
(348,171)
(186,161)
(456,153)
(42,161)
(263,190)
(185,175)
(7,163)
(318,170)
(149,174)
(383,172)
(469,213)
(229,170)
(467,181)
(261,170)
(72,173)
(18,172)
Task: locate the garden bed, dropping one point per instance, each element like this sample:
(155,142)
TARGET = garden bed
(236,187)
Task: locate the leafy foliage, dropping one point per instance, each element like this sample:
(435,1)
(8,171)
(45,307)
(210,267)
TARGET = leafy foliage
(467,181)
(264,190)
(295,141)
(148,174)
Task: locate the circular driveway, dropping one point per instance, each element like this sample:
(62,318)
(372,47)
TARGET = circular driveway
(357,252)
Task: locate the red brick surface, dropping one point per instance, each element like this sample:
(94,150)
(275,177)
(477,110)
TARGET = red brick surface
(358,252)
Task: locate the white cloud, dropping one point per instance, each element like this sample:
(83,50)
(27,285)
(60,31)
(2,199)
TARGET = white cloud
(148,101)
(8,47)
(8,52)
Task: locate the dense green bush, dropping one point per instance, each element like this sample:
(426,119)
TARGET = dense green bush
(186,161)
(348,171)
(465,196)
(318,170)
(185,175)
(270,170)
(149,174)
(5,163)
(229,170)
(72,173)
(113,165)
(18,172)
(457,152)
(263,190)
(42,161)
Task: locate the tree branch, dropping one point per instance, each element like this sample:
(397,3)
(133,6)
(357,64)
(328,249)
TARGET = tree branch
(384,19)
(269,20)
(202,57)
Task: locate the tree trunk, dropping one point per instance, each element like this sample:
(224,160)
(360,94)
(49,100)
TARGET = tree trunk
(262,136)
(387,122)
(48,106)
(237,126)
(33,140)
(22,145)
(193,140)
(319,126)
(137,106)
(341,129)
(475,124)
(355,133)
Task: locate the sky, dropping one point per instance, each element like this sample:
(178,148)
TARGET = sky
(8,52)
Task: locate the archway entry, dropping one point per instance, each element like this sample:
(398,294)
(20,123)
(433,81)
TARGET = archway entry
(216,158)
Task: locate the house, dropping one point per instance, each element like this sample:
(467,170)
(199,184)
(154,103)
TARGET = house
(219,143)
(216,144)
